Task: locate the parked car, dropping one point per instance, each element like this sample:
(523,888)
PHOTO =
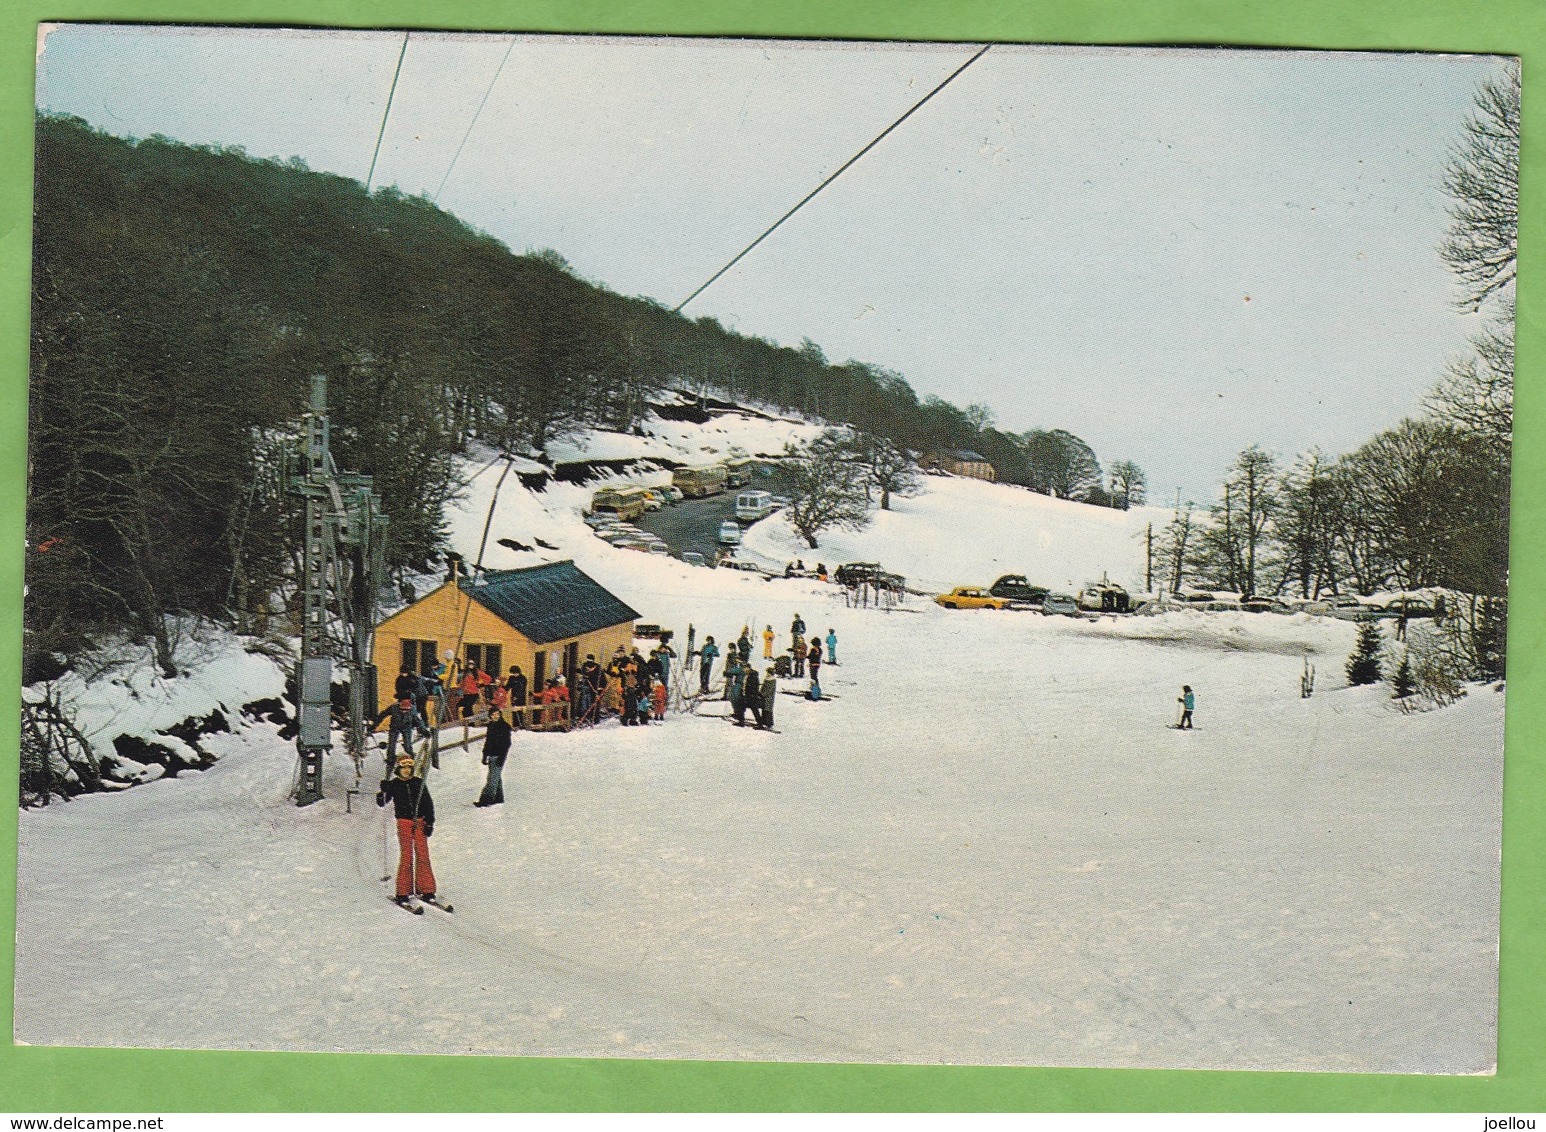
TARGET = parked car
(1263,603)
(660,548)
(1062,605)
(1015,589)
(669,493)
(693,558)
(596,520)
(653,499)
(779,501)
(1103,597)
(1412,606)
(749,567)
(859,573)
(730,532)
(970,597)
(1346,607)
(1192,597)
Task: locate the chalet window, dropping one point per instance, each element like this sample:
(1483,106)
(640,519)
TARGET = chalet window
(486,657)
(419,656)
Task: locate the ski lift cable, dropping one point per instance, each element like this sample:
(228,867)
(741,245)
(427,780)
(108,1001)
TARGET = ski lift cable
(841,170)
(385,114)
(477,568)
(457,155)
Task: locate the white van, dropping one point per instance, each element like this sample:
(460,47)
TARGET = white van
(751,506)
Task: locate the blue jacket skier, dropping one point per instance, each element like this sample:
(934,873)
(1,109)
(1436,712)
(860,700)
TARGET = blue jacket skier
(706,658)
(1187,702)
(406,721)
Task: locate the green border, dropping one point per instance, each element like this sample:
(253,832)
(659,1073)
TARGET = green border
(70,1080)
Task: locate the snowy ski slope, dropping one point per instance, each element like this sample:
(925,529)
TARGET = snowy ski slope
(988,847)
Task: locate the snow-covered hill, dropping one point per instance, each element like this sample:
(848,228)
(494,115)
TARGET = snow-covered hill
(987,846)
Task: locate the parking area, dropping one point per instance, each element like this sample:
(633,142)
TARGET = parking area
(693,524)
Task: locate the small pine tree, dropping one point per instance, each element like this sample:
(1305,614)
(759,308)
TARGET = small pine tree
(1363,667)
(1403,682)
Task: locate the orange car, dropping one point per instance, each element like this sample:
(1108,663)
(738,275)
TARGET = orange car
(970,597)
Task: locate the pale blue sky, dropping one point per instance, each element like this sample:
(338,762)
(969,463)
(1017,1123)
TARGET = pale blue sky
(1172,253)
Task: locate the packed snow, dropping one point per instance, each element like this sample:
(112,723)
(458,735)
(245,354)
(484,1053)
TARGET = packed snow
(988,846)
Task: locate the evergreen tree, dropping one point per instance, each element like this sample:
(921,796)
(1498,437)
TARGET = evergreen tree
(1403,683)
(1363,666)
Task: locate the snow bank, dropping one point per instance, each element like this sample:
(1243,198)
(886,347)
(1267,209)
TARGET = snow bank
(117,690)
(965,532)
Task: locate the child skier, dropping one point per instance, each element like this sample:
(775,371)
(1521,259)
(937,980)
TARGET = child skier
(414,810)
(644,681)
(768,636)
(406,720)
(658,701)
(831,646)
(1187,702)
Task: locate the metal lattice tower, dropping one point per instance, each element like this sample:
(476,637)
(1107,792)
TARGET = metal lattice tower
(342,566)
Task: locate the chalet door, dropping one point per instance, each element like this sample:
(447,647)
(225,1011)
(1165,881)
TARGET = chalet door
(539,672)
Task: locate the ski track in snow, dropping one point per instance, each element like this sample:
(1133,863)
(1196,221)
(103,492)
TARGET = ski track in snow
(989,849)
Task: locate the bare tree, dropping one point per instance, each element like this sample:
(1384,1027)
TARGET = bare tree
(1237,545)
(979,416)
(1482,180)
(1128,484)
(828,485)
(1307,525)
(892,470)
(1177,545)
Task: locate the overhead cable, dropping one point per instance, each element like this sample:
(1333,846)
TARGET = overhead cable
(474,121)
(371,177)
(832,178)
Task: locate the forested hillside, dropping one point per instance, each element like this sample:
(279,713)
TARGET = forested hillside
(184,295)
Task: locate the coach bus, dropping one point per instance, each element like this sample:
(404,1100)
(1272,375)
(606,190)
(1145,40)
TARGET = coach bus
(624,502)
(708,479)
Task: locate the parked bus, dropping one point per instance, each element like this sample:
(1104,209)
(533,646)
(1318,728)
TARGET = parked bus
(738,471)
(623,502)
(709,479)
(751,506)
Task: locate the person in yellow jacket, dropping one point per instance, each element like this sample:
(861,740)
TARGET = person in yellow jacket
(768,637)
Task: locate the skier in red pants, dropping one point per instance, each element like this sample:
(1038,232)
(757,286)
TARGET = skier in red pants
(415,811)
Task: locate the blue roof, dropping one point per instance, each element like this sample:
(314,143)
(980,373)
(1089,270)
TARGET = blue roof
(551,602)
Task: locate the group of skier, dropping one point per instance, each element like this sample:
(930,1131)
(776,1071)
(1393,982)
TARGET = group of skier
(745,689)
(631,686)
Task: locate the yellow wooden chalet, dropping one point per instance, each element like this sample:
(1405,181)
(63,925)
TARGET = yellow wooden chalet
(543,618)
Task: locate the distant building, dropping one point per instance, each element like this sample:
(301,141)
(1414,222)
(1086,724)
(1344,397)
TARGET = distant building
(544,618)
(961,462)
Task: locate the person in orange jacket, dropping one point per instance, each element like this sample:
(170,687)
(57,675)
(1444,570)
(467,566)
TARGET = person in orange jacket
(471,685)
(658,701)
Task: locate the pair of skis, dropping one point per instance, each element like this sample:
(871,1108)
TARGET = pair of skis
(417,904)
